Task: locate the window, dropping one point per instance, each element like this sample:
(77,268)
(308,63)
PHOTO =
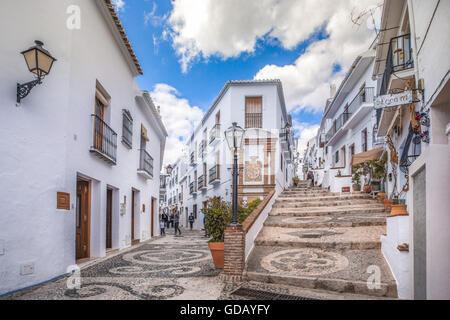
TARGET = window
(127,128)
(336,157)
(253,112)
(364,140)
(194,210)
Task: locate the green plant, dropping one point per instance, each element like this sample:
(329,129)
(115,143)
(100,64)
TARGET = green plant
(218,214)
(295,180)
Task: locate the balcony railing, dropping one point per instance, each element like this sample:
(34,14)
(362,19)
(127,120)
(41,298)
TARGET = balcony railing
(214,134)
(399,58)
(105,140)
(192,188)
(202,149)
(253,120)
(201,182)
(146,163)
(193,159)
(337,124)
(366,95)
(214,173)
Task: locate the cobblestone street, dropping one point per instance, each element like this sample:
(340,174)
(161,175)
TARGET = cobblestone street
(166,268)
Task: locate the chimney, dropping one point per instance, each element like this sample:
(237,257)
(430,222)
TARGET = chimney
(332,90)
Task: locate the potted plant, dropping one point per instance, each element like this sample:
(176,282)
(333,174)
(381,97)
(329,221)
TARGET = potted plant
(217,217)
(218,214)
(356,179)
(398,208)
(295,180)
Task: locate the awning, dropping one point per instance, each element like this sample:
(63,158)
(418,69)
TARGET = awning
(370,155)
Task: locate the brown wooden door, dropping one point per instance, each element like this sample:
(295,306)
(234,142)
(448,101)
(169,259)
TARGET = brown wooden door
(98,124)
(82,219)
(109,194)
(132,214)
(152,221)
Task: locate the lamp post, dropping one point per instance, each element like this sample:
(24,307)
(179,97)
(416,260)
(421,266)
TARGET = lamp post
(169,169)
(39,62)
(235,136)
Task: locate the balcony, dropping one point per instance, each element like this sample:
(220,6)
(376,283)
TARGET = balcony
(145,165)
(193,159)
(202,149)
(399,59)
(359,108)
(214,134)
(105,141)
(201,183)
(214,174)
(192,188)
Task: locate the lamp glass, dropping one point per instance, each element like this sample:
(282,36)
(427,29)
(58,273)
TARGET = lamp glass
(169,169)
(39,60)
(234,136)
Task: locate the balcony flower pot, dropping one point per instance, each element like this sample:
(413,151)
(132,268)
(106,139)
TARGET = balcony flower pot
(381,196)
(367,189)
(356,187)
(398,210)
(387,204)
(217,252)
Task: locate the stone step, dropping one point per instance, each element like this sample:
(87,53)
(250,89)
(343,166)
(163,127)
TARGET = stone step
(326,196)
(305,194)
(343,271)
(290,292)
(338,220)
(294,204)
(323,211)
(358,238)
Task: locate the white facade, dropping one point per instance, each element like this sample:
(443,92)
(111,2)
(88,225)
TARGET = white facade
(266,161)
(47,142)
(413,55)
(349,123)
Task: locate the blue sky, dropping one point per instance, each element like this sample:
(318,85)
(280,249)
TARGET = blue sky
(190,49)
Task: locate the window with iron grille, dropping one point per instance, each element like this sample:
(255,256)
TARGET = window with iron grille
(127,129)
(253,112)
(364,140)
(336,157)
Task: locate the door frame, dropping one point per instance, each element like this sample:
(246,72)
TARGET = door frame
(109,203)
(152,217)
(88,227)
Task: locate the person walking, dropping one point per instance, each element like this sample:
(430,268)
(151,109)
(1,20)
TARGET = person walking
(312,178)
(176,220)
(170,224)
(162,225)
(164,218)
(191,220)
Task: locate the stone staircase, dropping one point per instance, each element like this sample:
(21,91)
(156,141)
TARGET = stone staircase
(317,240)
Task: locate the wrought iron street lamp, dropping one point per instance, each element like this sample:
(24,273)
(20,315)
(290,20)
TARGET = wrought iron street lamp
(235,136)
(169,169)
(39,62)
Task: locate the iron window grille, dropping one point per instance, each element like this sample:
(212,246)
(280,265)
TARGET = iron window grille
(127,129)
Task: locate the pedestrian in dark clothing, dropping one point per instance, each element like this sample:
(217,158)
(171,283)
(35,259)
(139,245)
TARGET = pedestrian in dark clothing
(176,220)
(191,220)
(164,219)
(312,178)
(170,225)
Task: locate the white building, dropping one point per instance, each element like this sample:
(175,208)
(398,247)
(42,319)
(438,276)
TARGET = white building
(81,154)
(266,161)
(350,124)
(412,56)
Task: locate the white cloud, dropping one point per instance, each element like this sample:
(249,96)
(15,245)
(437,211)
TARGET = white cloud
(178,116)
(119,4)
(201,29)
(305,132)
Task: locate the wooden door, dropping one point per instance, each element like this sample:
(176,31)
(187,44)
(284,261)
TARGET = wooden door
(98,124)
(109,194)
(82,219)
(132,214)
(152,221)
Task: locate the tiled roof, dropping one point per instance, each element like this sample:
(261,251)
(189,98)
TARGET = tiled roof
(123,35)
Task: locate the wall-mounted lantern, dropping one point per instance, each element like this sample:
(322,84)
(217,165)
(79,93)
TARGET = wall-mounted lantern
(39,62)
(169,169)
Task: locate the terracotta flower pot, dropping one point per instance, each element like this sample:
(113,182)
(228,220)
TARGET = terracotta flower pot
(381,196)
(398,210)
(356,187)
(217,249)
(387,204)
(367,189)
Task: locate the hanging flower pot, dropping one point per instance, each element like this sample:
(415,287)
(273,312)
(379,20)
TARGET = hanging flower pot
(387,205)
(381,196)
